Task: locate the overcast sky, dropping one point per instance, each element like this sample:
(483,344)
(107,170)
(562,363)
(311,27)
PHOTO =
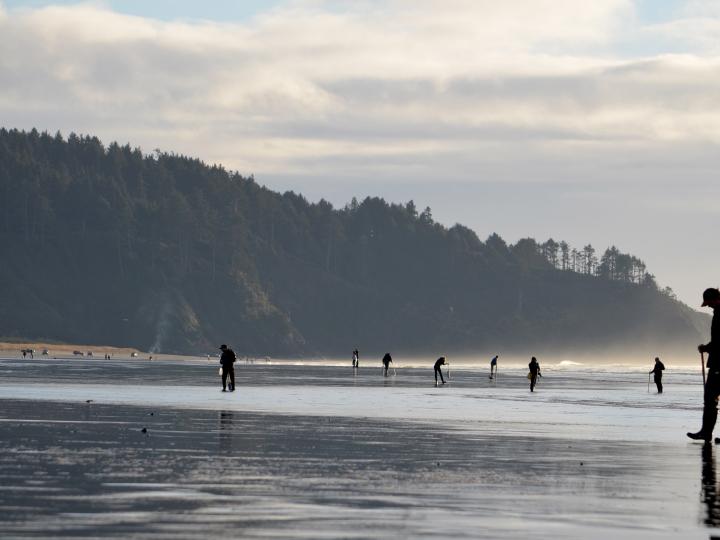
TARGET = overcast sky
(594,122)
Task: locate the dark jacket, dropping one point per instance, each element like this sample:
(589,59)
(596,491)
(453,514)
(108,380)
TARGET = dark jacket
(440,362)
(387,359)
(713,348)
(658,369)
(227,358)
(534,367)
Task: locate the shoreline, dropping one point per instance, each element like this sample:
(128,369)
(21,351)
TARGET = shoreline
(38,346)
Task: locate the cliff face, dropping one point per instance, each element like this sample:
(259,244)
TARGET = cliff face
(105,245)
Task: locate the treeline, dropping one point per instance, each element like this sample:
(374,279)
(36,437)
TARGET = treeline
(612,264)
(106,244)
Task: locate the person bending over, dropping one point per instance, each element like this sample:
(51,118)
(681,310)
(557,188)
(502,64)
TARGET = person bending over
(440,362)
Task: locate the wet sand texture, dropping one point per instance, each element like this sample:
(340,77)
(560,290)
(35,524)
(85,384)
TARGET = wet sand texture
(216,469)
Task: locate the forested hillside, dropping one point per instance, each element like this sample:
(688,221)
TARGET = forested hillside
(108,245)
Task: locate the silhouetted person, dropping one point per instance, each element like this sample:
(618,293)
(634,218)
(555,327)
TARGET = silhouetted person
(24,353)
(534,372)
(356,359)
(227,359)
(386,362)
(439,362)
(493,366)
(657,370)
(711,298)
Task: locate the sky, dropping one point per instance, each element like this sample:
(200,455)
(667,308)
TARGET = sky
(591,122)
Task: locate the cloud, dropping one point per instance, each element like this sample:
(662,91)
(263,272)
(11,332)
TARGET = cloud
(309,86)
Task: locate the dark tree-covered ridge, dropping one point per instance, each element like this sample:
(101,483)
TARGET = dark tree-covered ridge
(163,252)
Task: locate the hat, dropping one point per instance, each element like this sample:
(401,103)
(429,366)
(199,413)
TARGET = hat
(223,347)
(709,295)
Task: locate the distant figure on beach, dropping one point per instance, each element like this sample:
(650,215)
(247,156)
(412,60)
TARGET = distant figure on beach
(356,359)
(657,370)
(439,362)
(386,363)
(534,372)
(711,298)
(493,366)
(24,353)
(227,359)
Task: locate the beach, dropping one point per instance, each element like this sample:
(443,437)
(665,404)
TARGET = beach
(316,451)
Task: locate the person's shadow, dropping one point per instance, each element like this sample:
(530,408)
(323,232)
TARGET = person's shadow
(225,420)
(709,490)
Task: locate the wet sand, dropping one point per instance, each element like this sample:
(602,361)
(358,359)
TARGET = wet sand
(315,452)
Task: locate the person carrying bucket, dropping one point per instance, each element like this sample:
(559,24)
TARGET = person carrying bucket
(387,359)
(227,359)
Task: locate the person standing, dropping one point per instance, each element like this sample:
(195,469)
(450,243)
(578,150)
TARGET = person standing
(493,366)
(534,372)
(711,298)
(356,359)
(386,362)
(657,370)
(439,362)
(227,360)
